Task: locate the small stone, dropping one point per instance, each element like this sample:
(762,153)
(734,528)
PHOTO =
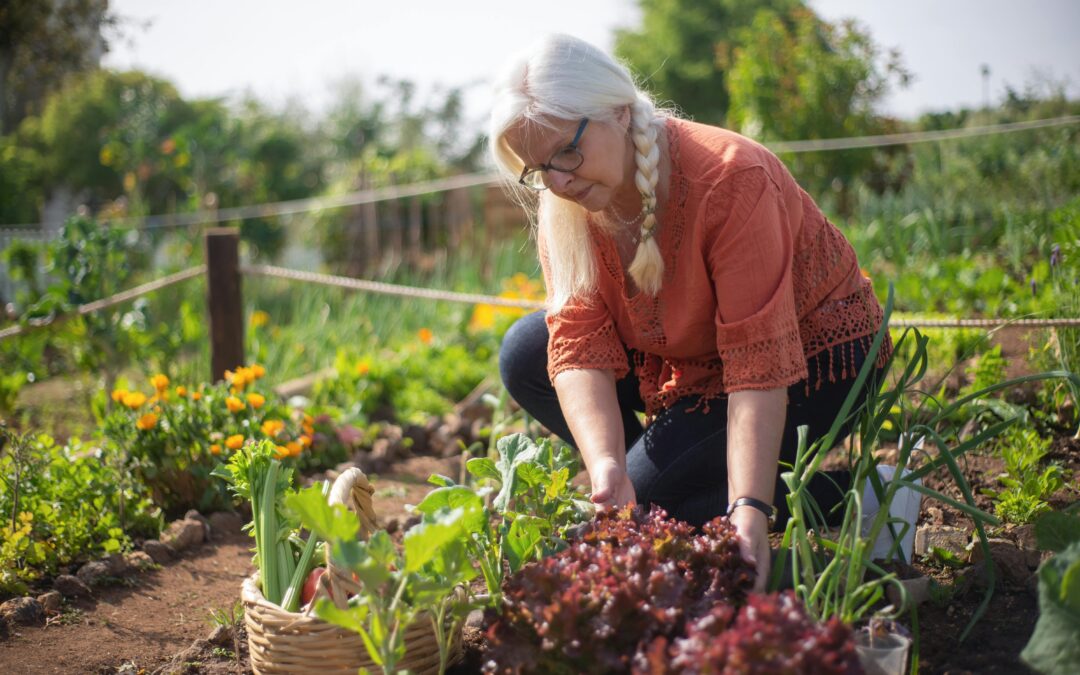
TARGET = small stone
(951,539)
(226,522)
(118,565)
(918,591)
(1024,536)
(4,630)
(70,586)
(222,636)
(195,515)
(475,619)
(1011,562)
(418,437)
(392,525)
(51,601)
(25,611)
(183,534)
(92,572)
(159,552)
(139,560)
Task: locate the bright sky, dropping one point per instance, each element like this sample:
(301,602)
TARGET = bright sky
(277,49)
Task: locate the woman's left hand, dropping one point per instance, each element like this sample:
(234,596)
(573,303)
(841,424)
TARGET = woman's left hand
(752,527)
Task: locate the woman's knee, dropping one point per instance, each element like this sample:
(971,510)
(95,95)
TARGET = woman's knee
(523,352)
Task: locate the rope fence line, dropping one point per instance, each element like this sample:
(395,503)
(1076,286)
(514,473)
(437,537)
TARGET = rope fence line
(290,207)
(884,140)
(387,289)
(350,283)
(105,303)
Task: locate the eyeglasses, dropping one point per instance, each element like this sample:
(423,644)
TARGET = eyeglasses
(566,160)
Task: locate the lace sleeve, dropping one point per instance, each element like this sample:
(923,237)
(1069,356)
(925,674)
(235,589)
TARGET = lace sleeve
(582,335)
(749,256)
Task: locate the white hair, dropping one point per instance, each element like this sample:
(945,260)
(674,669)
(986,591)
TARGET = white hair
(563,78)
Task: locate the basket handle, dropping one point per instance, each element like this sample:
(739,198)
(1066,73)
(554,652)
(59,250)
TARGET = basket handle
(352,489)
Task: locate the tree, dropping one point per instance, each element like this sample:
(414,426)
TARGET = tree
(795,76)
(42,42)
(683,50)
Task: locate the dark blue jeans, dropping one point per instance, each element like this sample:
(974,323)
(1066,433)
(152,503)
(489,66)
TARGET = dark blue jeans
(679,461)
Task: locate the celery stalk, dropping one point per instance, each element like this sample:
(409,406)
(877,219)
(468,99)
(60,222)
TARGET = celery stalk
(291,601)
(267,527)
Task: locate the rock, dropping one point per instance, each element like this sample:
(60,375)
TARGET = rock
(70,587)
(195,515)
(182,535)
(226,522)
(92,572)
(118,564)
(1011,562)
(480,430)
(951,539)
(918,591)
(25,611)
(158,552)
(392,525)
(1024,536)
(382,450)
(51,601)
(139,560)
(222,636)
(4,630)
(455,424)
(475,619)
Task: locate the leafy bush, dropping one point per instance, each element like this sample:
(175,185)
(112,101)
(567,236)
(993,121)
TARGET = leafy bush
(176,436)
(1027,486)
(65,504)
(631,577)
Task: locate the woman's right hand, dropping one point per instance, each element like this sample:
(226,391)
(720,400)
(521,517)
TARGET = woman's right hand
(611,486)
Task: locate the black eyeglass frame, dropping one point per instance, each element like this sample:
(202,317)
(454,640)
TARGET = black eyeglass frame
(526,172)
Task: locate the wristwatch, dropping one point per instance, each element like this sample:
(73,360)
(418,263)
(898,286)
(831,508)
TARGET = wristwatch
(768,509)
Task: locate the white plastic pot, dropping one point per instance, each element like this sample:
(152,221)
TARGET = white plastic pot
(882,653)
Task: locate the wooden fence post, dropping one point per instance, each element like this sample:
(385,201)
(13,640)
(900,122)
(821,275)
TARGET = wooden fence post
(223,301)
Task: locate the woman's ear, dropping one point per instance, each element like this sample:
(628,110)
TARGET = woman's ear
(624,117)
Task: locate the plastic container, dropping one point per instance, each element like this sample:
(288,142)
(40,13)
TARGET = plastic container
(882,653)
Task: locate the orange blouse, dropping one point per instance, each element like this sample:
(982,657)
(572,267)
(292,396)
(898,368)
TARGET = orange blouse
(756,281)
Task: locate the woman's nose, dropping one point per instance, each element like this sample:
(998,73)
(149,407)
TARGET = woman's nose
(558,180)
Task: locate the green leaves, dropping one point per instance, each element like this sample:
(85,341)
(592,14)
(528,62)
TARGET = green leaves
(523,539)
(1054,648)
(1055,531)
(326,521)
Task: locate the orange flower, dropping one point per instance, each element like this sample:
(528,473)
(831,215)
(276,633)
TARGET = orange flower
(865,273)
(181,392)
(363,368)
(425,335)
(234,442)
(257,370)
(294,448)
(147,422)
(272,427)
(119,394)
(215,449)
(256,400)
(160,382)
(196,395)
(234,404)
(305,441)
(281,452)
(134,399)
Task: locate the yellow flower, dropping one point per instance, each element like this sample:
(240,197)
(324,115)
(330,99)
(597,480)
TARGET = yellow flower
(160,382)
(281,452)
(147,422)
(363,368)
(234,404)
(119,394)
(234,442)
(181,392)
(272,427)
(294,448)
(256,400)
(259,318)
(196,395)
(257,370)
(425,335)
(134,399)
(215,449)
(483,317)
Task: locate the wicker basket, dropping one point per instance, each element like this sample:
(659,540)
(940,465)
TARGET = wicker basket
(282,642)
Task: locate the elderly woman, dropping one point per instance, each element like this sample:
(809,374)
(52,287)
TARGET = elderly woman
(689,278)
